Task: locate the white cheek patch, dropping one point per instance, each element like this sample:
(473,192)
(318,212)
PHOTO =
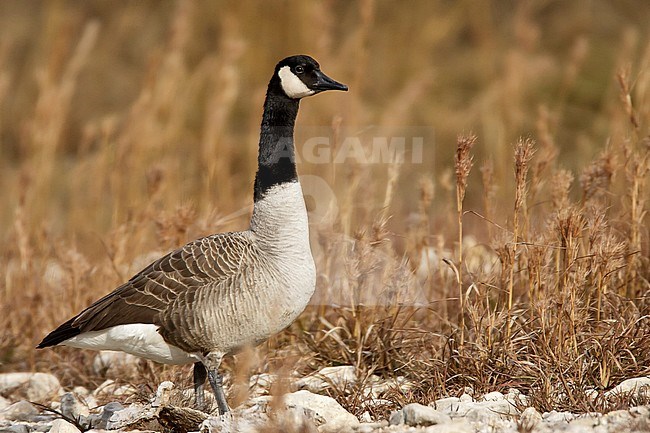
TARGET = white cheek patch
(291,84)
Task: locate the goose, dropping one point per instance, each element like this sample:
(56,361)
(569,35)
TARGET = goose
(218,294)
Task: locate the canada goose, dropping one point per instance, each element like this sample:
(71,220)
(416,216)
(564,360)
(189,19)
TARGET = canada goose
(220,293)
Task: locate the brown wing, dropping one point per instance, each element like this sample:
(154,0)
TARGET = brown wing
(205,262)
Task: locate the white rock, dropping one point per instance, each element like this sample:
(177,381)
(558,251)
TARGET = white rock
(43,386)
(415,414)
(72,407)
(529,418)
(338,377)
(260,384)
(396,418)
(370,427)
(335,416)
(16,428)
(585,421)
(635,419)
(637,387)
(555,416)
(620,417)
(128,416)
(488,411)
(260,410)
(299,418)
(491,410)
(102,419)
(81,391)
(109,363)
(163,393)
(36,386)
(19,411)
(63,426)
(235,423)
(466,398)
(258,414)
(516,398)
(493,396)
(447,405)
(643,411)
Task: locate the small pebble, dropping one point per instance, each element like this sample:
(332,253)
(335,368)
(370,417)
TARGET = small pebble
(18,428)
(63,426)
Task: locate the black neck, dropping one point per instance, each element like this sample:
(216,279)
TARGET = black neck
(276,160)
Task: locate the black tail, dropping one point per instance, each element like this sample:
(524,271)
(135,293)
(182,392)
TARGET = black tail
(59,335)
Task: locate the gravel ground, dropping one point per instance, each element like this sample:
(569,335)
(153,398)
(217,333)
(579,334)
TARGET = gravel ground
(305,409)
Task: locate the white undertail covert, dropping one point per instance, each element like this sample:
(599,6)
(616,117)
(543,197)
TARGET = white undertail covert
(139,339)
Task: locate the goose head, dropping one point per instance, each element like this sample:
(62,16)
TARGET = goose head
(300,76)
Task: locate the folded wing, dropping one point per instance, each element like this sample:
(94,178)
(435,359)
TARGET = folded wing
(208,261)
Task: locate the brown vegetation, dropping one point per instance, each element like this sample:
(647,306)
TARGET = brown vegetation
(127,129)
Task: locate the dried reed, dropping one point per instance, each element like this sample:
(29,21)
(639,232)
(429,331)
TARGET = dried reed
(140,134)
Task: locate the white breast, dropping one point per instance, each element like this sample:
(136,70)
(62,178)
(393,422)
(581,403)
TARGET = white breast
(279,221)
(281,230)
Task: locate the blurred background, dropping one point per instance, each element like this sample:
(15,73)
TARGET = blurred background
(176,88)
(128,128)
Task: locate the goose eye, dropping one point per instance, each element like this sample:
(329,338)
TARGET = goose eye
(300,69)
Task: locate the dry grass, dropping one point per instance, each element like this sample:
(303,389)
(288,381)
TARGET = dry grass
(126,131)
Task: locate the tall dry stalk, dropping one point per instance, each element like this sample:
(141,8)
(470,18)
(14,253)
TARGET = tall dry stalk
(391,183)
(489,193)
(637,168)
(463,164)
(523,154)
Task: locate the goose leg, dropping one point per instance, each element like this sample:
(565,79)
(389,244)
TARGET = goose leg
(216,382)
(211,362)
(200,374)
